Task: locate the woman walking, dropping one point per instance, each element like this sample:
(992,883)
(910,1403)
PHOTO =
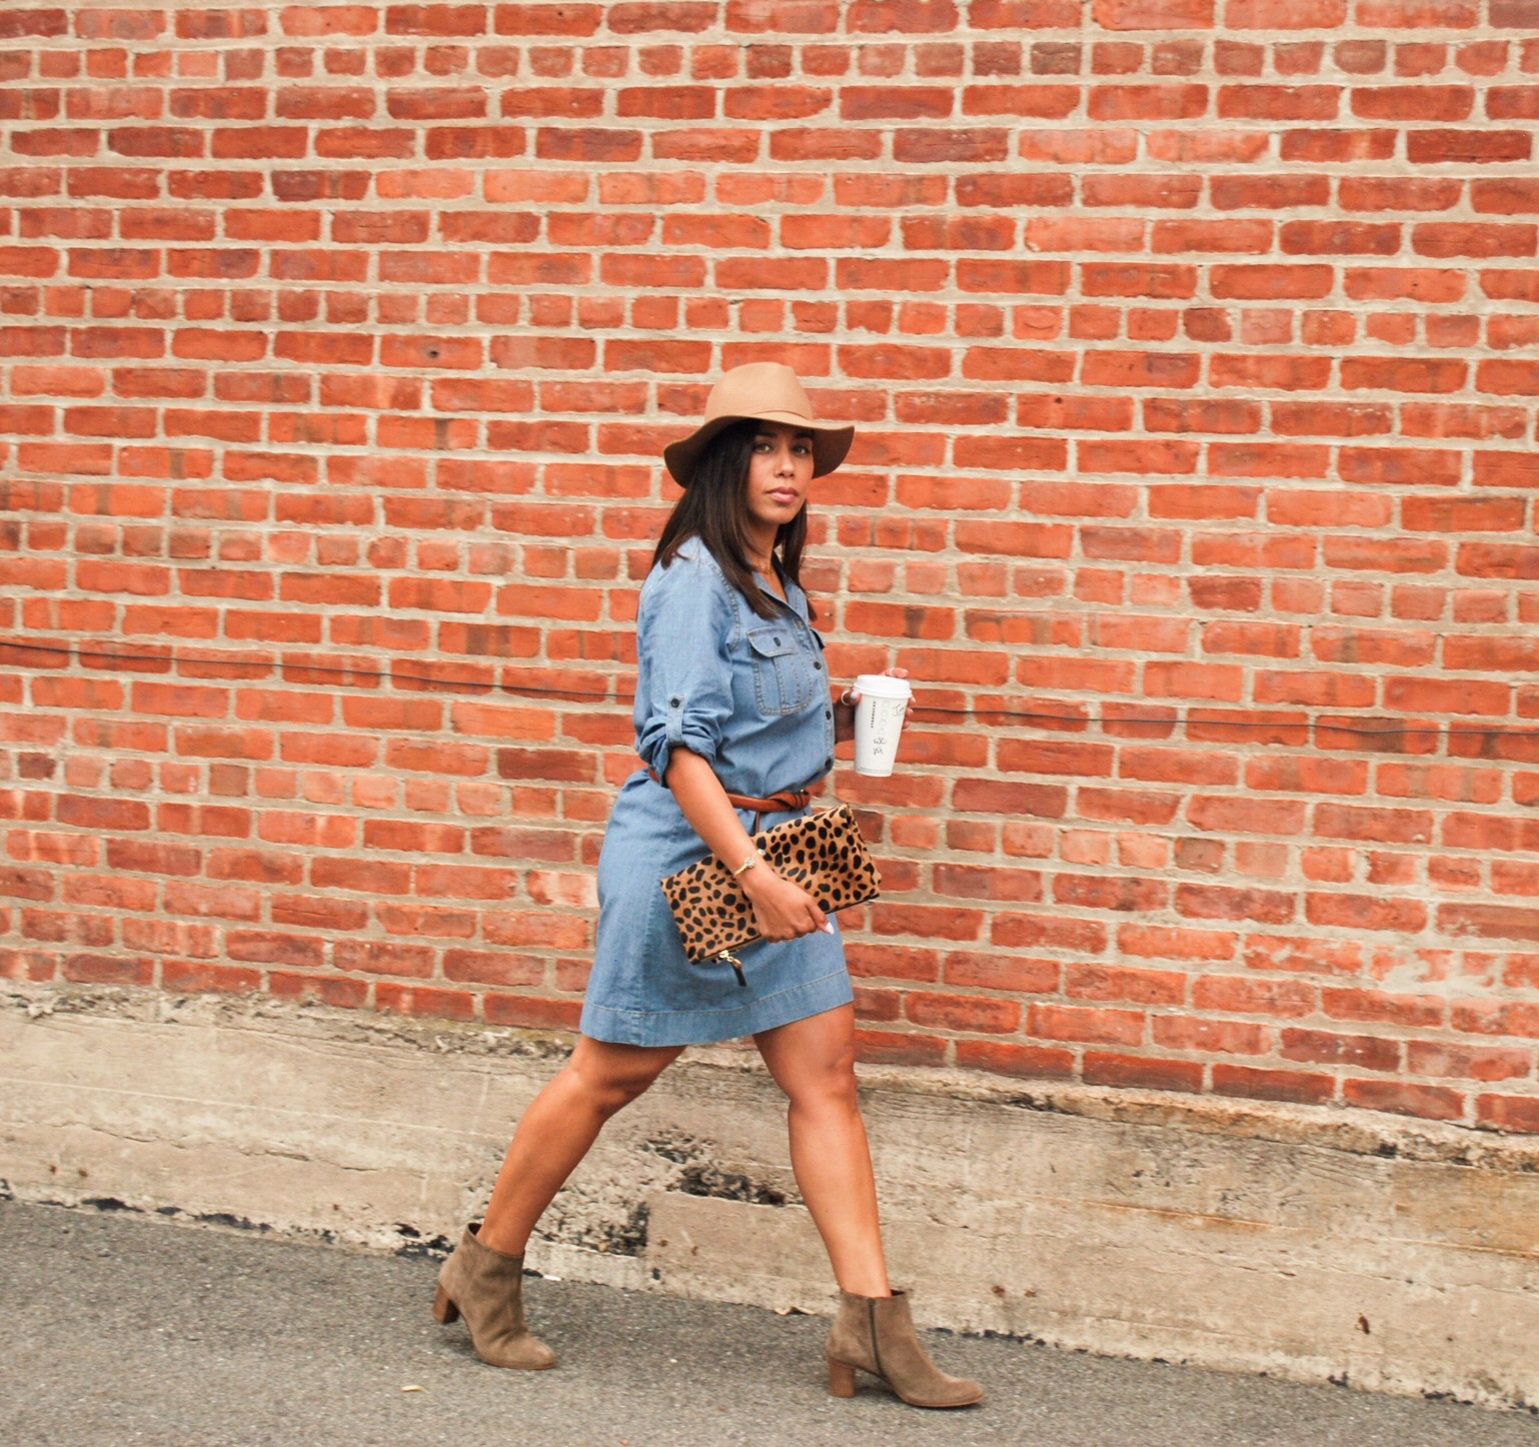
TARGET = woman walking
(735,723)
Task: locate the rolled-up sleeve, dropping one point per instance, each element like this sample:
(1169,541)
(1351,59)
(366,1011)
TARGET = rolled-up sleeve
(684,630)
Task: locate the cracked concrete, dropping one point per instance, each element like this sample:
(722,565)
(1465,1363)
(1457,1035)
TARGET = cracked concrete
(1317,1244)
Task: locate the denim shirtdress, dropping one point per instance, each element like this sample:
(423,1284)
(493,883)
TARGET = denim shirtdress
(750,695)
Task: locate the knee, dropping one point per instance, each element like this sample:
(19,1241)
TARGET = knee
(610,1094)
(619,1094)
(828,1086)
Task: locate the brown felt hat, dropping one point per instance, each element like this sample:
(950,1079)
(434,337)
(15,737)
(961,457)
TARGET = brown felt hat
(769,392)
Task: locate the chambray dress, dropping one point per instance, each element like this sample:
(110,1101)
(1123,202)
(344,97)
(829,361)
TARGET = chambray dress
(750,695)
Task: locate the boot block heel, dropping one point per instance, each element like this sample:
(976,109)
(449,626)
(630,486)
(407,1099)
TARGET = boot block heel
(445,1311)
(841,1379)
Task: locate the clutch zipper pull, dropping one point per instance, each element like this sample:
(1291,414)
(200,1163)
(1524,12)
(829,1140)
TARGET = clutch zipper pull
(728,958)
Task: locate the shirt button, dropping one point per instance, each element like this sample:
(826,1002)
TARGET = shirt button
(828,713)
(675,702)
(817,663)
(777,643)
(828,763)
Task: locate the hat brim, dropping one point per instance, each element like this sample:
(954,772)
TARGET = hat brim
(830,443)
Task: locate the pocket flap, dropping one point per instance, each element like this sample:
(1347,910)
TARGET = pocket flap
(772,642)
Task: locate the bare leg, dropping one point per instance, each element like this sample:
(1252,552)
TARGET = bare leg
(813,1061)
(559,1127)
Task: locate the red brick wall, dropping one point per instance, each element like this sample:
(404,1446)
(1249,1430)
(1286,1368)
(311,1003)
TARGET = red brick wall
(1192,348)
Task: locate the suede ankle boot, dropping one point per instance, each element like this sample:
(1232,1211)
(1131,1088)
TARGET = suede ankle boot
(487,1289)
(875,1334)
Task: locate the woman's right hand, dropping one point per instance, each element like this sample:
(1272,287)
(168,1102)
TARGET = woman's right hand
(782,909)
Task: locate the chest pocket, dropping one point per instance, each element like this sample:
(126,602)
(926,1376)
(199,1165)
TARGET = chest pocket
(782,673)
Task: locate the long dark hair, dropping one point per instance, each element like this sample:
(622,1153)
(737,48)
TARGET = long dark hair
(713,509)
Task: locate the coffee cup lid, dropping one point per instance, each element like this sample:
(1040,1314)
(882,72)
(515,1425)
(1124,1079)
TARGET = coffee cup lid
(881,685)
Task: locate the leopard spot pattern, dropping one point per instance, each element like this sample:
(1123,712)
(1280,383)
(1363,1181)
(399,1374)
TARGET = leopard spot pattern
(824,853)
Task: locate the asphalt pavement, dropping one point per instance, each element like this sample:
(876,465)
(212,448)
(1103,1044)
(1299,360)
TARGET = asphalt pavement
(120,1328)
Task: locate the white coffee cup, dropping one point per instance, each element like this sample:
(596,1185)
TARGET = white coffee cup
(878,722)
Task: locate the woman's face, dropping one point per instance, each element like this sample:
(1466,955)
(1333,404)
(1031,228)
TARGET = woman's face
(779,474)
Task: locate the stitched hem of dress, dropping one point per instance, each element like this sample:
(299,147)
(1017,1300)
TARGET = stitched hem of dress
(706,1027)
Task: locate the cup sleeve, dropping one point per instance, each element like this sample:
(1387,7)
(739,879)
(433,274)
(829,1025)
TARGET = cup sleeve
(684,682)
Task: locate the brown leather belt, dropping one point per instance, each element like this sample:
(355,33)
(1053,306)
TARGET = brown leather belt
(786,801)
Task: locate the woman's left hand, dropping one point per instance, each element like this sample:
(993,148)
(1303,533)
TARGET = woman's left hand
(845,704)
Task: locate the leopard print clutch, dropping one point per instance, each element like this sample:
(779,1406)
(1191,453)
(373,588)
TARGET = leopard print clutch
(822,852)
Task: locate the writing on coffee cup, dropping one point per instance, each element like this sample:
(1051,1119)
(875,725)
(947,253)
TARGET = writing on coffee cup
(879,722)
